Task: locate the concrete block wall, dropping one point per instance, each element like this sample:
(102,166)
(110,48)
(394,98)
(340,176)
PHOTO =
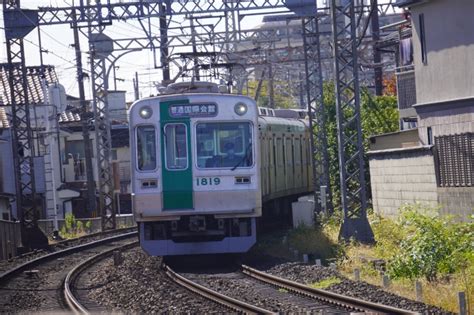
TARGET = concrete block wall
(456,201)
(401,177)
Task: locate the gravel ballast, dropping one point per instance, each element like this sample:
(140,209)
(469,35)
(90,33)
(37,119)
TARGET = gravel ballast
(140,285)
(307,274)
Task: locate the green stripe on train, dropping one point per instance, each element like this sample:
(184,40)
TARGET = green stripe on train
(177,184)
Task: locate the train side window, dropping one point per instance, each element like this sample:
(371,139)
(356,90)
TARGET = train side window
(176,146)
(146,148)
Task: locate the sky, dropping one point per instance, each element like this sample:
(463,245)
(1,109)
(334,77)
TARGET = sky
(57,50)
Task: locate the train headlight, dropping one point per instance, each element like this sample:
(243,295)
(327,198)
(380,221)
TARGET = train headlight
(146,112)
(240,109)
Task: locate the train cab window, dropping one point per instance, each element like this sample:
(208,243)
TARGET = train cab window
(224,145)
(146,148)
(176,146)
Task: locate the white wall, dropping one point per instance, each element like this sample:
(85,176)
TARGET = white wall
(448,73)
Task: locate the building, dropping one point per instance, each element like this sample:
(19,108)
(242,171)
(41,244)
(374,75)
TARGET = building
(434,163)
(73,164)
(60,172)
(7,185)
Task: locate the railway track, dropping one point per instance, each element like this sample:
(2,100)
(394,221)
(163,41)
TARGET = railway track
(222,299)
(37,285)
(6,265)
(251,291)
(76,297)
(354,304)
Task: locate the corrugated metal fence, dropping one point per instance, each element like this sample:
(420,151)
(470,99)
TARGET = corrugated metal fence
(10,239)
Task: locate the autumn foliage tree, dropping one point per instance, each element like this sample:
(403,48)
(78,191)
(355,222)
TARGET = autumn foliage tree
(389,85)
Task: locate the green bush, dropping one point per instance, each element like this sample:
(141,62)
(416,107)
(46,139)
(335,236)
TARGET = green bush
(431,246)
(388,235)
(73,227)
(88,226)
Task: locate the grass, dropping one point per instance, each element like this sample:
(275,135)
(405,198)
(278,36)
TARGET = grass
(305,240)
(325,283)
(443,292)
(323,243)
(439,293)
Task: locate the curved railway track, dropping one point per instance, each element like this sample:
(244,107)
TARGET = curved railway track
(58,246)
(75,296)
(272,294)
(36,285)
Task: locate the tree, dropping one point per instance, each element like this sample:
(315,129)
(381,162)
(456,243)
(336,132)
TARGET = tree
(283,94)
(379,114)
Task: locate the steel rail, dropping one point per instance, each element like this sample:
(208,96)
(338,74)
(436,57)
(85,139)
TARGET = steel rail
(54,255)
(323,295)
(72,276)
(91,235)
(214,296)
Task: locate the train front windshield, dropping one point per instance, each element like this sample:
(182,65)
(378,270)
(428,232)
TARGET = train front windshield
(224,145)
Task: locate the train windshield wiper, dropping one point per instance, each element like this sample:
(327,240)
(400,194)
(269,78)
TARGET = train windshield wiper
(247,150)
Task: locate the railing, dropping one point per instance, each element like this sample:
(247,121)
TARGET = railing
(124,171)
(79,169)
(75,170)
(406,87)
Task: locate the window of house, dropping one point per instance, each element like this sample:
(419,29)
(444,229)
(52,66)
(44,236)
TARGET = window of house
(430,136)
(113,154)
(74,149)
(424,56)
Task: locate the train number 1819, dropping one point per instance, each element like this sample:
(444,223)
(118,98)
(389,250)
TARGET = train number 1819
(206,181)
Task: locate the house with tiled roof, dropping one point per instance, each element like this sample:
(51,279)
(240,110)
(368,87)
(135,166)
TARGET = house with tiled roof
(432,163)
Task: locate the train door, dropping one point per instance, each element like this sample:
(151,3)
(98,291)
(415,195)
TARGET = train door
(177,177)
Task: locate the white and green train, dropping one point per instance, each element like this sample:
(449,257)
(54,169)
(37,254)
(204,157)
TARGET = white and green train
(203,162)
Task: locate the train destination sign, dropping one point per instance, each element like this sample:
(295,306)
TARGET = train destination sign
(193,110)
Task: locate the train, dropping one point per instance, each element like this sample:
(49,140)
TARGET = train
(204,162)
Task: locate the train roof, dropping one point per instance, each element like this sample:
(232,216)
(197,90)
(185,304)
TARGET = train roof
(268,123)
(193,87)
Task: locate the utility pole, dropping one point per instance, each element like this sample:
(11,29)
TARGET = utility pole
(195,58)
(271,92)
(259,85)
(135,86)
(91,200)
(163,49)
(115,77)
(378,75)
